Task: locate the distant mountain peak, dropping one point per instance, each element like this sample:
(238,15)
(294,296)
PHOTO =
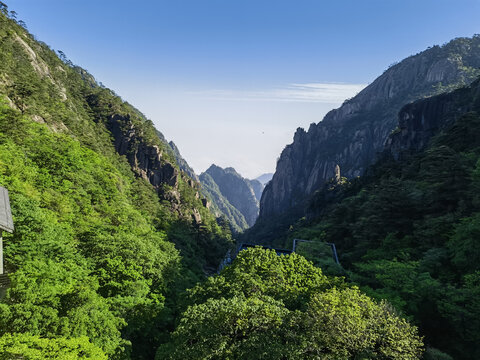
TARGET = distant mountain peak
(228,189)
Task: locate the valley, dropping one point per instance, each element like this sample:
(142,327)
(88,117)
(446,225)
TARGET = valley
(122,251)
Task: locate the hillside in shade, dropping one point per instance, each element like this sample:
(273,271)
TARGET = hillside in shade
(408,230)
(232,196)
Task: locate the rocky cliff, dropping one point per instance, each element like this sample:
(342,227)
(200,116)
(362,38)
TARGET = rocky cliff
(146,160)
(352,135)
(421,120)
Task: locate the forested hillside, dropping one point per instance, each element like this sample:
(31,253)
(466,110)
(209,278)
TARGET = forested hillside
(232,196)
(409,230)
(115,250)
(108,230)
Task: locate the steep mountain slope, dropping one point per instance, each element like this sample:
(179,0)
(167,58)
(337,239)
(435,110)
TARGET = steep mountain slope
(232,189)
(108,229)
(408,230)
(220,204)
(351,135)
(181,162)
(257,187)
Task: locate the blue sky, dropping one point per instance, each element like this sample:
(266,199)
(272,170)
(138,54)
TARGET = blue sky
(229,81)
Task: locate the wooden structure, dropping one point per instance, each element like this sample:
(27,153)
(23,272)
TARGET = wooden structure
(6,220)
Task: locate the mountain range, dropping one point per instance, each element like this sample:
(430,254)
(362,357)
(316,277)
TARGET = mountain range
(120,251)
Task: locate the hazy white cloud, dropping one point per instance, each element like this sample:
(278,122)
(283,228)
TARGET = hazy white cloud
(308,92)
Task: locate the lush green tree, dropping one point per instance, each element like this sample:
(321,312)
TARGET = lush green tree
(291,279)
(234,328)
(461,307)
(464,245)
(30,347)
(345,324)
(266,306)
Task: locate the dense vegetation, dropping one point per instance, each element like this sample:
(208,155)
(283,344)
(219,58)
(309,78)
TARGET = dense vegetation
(267,306)
(100,259)
(93,263)
(408,232)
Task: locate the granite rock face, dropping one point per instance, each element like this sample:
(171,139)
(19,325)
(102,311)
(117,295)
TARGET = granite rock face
(353,135)
(421,120)
(146,160)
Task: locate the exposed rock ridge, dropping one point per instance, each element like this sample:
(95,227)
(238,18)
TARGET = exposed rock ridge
(352,135)
(146,160)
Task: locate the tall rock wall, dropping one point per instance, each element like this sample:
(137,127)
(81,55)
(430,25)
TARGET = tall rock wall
(421,120)
(146,160)
(353,135)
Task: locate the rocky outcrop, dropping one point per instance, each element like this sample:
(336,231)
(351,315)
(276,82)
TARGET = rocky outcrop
(353,135)
(206,203)
(421,120)
(146,160)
